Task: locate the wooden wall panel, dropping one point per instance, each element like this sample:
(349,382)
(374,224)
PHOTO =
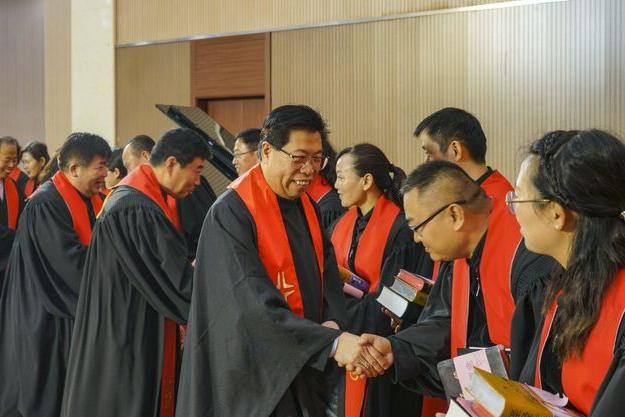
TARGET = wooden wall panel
(22,69)
(158,20)
(149,75)
(237,114)
(522,71)
(229,67)
(58,75)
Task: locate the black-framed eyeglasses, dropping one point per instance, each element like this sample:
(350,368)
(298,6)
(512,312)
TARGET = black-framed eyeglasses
(512,200)
(240,154)
(418,229)
(298,161)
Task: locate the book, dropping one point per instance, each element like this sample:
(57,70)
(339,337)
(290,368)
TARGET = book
(353,291)
(348,277)
(455,374)
(392,301)
(465,408)
(502,397)
(414,288)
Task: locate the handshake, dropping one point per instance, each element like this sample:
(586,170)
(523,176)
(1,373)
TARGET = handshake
(365,356)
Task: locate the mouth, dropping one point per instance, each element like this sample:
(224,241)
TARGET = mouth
(302,183)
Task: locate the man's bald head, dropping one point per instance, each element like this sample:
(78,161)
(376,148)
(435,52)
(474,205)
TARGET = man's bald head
(137,151)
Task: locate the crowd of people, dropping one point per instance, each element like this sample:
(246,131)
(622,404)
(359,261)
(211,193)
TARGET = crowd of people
(128,288)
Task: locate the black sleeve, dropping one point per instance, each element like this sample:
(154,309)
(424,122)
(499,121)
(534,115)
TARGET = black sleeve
(154,257)
(418,349)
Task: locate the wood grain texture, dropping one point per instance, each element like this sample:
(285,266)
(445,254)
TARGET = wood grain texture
(150,20)
(22,70)
(522,71)
(145,76)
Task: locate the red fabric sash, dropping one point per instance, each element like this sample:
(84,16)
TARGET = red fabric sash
(370,251)
(318,188)
(15,173)
(273,243)
(77,208)
(29,188)
(502,241)
(143,180)
(368,264)
(582,376)
(13,204)
(497,186)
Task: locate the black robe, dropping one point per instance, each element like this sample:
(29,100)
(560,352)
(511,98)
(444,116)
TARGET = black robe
(21,181)
(418,349)
(383,399)
(136,275)
(37,306)
(527,324)
(192,210)
(7,236)
(246,353)
(330,209)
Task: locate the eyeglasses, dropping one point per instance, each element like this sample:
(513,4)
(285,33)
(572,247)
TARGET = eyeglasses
(240,154)
(511,200)
(298,161)
(418,229)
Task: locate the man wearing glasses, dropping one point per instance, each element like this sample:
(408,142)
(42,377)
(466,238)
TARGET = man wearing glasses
(473,301)
(267,301)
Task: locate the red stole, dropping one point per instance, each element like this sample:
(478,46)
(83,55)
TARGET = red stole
(496,186)
(143,180)
(368,264)
(582,376)
(77,208)
(12,197)
(318,188)
(271,238)
(370,252)
(30,186)
(15,173)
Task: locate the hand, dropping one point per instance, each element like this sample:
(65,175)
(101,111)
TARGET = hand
(351,353)
(396,322)
(331,324)
(379,347)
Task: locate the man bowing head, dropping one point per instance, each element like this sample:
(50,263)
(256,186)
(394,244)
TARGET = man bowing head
(136,290)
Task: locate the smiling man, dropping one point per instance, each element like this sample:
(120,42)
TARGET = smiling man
(267,301)
(137,288)
(472,303)
(11,201)
(40,292)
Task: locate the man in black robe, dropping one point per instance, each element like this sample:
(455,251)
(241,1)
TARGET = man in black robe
(8,201)
(40,290)
(449,214)
(250,351)
(137,283)
(192,208)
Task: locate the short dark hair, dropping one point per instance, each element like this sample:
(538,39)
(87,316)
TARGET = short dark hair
(183,144)
(445,179)
(369,159)
(141,143)
(115,162)
(82,147)
(38,150)
(449,124)
(10,140)
(250,137)
(282,120)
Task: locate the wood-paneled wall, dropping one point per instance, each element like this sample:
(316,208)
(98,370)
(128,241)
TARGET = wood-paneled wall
(149,75)
(58,72)
(158,20)
(522,71)
(22,69)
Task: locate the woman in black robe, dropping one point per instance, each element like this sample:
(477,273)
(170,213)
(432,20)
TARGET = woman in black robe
(570,202)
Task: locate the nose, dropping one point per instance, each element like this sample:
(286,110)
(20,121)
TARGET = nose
(307,168)
(197,180)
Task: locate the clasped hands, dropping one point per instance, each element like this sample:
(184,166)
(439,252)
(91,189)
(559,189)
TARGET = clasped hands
(365,356)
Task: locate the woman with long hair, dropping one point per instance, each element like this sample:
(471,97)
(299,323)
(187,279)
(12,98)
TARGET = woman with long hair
(570,202)
(372,240)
